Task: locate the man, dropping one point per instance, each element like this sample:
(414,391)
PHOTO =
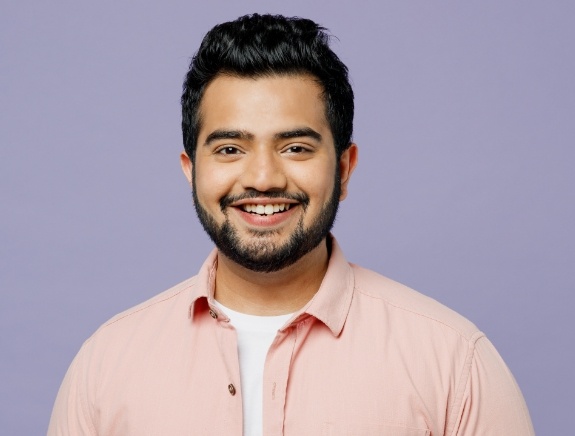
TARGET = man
(278,334)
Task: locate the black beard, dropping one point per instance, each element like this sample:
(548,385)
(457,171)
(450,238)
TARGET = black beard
(262,255)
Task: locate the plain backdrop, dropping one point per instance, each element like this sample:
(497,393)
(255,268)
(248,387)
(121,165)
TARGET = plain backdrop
(464,191)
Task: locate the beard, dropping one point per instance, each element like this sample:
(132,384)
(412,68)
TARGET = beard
(261,254)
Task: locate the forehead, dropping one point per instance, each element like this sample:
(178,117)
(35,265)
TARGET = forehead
(263,104)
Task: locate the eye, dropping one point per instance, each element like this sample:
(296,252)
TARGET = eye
(296,149)
(228,150)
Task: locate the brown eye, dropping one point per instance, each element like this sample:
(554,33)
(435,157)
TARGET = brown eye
(296,149)
(228,150)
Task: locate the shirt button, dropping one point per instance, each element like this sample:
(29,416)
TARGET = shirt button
(232,389)
(213,314)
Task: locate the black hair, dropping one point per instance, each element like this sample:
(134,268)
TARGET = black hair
(266,45)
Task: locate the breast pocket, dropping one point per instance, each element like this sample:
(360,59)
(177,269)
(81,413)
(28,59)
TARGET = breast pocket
(387,429)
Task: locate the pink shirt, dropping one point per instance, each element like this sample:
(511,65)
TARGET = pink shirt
(366,356)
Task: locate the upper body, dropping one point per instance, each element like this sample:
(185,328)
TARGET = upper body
(365,356)
(267,118)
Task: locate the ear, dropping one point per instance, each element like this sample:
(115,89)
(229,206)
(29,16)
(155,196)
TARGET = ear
(347,163)
(187,167)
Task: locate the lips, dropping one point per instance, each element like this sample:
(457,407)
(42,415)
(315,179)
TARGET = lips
(265,209)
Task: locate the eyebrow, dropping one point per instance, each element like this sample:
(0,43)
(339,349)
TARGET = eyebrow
(228,134)
(299,133)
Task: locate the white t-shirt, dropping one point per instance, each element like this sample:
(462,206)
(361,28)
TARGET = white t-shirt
(255,335)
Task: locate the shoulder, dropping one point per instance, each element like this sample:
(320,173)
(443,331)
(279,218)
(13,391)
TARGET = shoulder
(164,308)
(408,305)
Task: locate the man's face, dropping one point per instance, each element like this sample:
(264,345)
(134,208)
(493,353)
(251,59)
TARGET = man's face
(266,179)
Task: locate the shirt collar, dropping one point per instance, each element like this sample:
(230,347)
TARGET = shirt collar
(204,286)
(330,304)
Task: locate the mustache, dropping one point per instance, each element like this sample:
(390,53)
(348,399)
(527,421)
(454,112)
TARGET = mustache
(300,197)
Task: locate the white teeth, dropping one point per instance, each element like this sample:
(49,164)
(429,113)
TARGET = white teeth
(267,209)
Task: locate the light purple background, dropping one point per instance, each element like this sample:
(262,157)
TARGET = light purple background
(464,191)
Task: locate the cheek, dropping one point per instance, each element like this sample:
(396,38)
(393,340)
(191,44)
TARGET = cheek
(316,181)
(211,184)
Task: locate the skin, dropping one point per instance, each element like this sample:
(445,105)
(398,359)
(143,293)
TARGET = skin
(277,139)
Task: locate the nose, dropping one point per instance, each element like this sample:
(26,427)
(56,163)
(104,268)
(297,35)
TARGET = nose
(264,171)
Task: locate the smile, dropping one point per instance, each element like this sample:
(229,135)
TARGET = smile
(268,209)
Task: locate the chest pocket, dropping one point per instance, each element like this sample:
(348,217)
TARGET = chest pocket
(363,429)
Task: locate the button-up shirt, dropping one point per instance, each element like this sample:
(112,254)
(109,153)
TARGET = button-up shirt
(365,356)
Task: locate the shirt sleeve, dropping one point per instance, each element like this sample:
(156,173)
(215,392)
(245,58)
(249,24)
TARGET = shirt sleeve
(491,404)
(71,415)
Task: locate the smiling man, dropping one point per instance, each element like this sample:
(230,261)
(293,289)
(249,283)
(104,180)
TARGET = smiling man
(267,181)
(278,334)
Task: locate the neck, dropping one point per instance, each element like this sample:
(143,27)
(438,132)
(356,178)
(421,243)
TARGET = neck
(275,293)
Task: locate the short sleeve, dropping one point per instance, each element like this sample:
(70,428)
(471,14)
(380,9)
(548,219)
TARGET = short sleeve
(71,415)
(492,403)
